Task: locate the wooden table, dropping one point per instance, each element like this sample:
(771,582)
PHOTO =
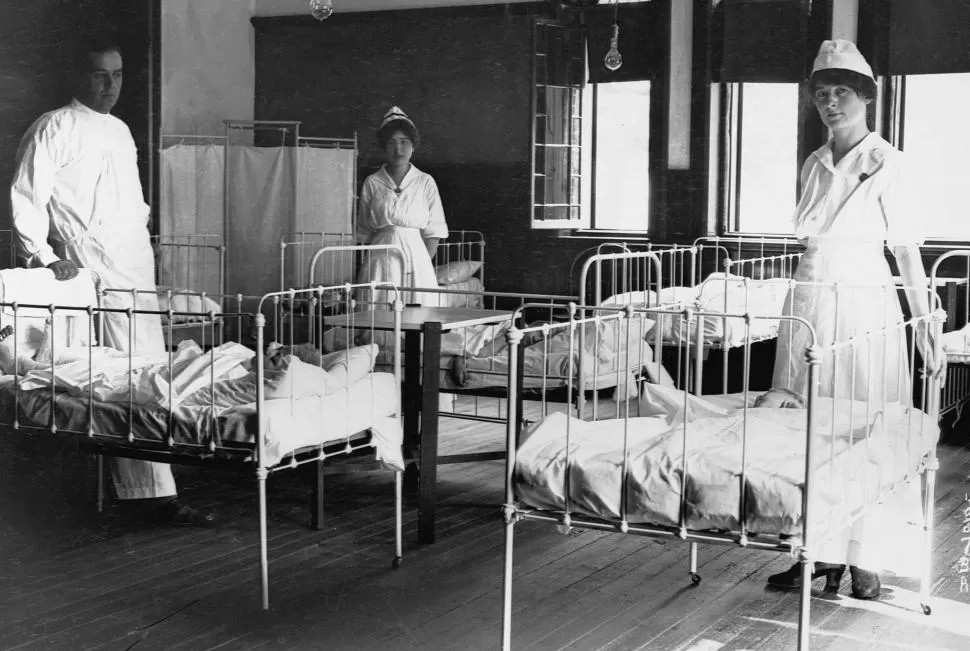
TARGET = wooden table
(420,395)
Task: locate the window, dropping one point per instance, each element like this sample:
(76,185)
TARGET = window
(935,139)
(591,142)
(559,68)
(617,156)
(761,157)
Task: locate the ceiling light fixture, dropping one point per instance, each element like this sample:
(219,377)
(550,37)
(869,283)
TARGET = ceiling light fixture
(613,60)
(321,9)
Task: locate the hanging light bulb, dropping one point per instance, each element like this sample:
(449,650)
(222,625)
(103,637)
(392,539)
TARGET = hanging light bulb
(613,60)
(321,9)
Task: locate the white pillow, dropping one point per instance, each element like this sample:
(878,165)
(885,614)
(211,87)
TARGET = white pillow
(472,299)
(638,299)
(457,272)
(288,377)
(187,302)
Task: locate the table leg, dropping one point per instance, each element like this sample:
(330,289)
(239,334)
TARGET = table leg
(411,397)
(431,358)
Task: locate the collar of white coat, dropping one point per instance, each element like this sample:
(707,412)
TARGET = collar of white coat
(386,179)
(873,150)
(81,107)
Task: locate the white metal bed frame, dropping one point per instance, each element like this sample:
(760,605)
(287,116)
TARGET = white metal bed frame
(802,545)
(130,444)
(956,390)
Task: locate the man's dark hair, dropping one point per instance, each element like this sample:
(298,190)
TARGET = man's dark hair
(91,45)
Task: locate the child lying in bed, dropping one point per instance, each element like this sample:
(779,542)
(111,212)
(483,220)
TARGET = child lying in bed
(780,397)
(26,359)
(605,349)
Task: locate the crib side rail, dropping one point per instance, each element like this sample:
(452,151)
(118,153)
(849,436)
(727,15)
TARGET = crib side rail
(191,262)
(297,248)
(462,246)
(633,275)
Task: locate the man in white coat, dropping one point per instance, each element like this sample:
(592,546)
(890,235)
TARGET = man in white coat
(76,201)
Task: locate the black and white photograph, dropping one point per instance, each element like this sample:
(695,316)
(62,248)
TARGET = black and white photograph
(454,325)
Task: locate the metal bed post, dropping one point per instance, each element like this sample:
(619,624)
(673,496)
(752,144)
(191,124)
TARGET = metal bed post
(931,464)
(226,148)
(398,474)
(813,359)
(514,338)
(261,471)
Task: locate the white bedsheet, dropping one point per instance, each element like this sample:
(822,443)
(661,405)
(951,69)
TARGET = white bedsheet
(730,295)
(368,403)
(774,464)
(146,383)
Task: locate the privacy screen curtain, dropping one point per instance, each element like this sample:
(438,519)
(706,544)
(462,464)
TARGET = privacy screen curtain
(273,192)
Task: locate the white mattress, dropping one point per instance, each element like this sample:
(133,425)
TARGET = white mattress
(774,465)
(290,425)
(139,402)
(369,403)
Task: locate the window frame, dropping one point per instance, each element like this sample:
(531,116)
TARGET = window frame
(540,23)
(730,111)
(585,225)
(590,179)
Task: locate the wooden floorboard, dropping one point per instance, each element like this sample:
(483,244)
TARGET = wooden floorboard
(74,579)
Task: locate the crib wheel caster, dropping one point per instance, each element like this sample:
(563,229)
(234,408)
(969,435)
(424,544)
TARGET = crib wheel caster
(926,609)
(396,563)
(695,578)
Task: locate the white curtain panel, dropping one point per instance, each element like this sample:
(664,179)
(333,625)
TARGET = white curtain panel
(274,192)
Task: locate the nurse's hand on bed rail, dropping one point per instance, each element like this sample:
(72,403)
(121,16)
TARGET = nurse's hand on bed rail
(934,359)
(63,269)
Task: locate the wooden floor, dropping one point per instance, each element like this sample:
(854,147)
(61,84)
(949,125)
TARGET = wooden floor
(73,579)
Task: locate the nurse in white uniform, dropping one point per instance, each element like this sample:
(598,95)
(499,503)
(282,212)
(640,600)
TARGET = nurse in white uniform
(855,201)
(77,201)
(400,205)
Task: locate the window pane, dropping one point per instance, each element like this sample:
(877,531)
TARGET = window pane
(768,158)
(556,189)
(936,140)
(622,151)
(556,124)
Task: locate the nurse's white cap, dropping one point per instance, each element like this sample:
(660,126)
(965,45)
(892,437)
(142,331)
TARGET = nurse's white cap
(395,113)
(843,55)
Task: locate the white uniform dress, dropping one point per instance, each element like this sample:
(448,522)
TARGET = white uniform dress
(76,195)
(846,215)
(403,216)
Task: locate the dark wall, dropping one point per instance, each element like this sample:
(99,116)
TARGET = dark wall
(36,43)
(464,76)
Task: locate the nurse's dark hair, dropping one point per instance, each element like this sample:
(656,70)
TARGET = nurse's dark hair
(90,45)
(865,87)
(384,133)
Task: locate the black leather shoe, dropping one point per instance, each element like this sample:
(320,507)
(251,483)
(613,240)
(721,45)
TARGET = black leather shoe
(165,511)
(173,512)
(865,584)
(791,579)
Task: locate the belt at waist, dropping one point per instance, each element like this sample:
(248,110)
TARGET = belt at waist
(842,244)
